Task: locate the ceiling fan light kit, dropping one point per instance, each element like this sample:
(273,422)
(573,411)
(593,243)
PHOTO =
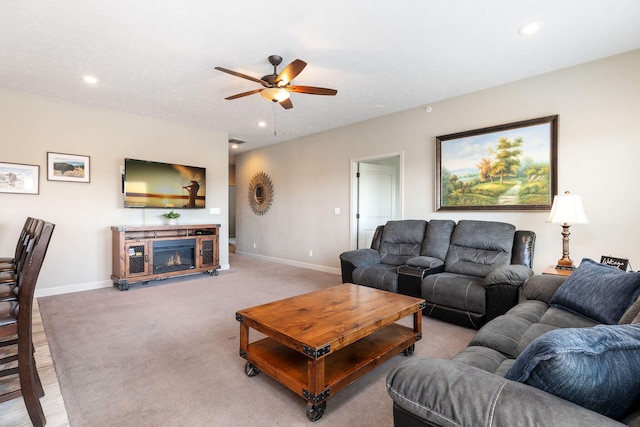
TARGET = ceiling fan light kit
(277,86)
(275,94)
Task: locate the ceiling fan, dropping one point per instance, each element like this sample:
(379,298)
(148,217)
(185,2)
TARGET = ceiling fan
(276,86)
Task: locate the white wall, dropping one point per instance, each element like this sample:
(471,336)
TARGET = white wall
(79,255)
(598,104)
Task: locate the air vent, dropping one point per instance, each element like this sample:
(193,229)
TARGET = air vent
(236,141)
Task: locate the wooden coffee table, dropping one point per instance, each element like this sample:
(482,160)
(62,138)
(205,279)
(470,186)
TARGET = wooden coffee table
(318,343)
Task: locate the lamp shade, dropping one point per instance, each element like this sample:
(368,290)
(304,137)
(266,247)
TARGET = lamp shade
(567,209)
(275,94)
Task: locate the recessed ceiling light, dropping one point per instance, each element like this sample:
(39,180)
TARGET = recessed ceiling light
(531,28)
(234,146)
(90,80)
(378,106)
(262,124)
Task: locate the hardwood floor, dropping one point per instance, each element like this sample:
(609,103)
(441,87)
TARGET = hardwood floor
(13,413)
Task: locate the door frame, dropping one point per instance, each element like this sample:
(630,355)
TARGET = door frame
(353,209)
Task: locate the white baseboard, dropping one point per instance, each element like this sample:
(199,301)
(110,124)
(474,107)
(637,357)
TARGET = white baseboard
(59,290)
(316,267)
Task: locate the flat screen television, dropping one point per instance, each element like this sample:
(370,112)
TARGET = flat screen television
(163,185)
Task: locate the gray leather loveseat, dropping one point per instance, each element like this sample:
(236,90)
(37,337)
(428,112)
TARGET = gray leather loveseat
(567,355)
(468,273)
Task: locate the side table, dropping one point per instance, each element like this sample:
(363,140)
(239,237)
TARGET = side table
(558,271)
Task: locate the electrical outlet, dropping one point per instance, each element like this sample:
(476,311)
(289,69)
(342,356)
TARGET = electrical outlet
(310,253)
(336,211)
(254,245)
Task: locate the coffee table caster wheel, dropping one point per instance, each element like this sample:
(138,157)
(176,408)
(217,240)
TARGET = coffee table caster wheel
(251,370)
(315,412)
(409,350)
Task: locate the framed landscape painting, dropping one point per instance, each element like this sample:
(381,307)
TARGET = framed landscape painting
(505,167)
(19,179)
(67,167)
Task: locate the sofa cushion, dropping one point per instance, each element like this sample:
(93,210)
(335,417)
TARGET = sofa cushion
(401,240)
(465,293)
(502,334)
(560,318)
(379,276)
(481,357)
(597,291)
(477,247)
(596,368)
(437,238)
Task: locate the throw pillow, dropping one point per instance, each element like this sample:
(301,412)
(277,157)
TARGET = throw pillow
(596,368)
(597,291)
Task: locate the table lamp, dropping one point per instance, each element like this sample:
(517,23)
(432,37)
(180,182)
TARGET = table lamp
(566,210)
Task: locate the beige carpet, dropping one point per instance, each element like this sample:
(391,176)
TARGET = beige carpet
(166,354)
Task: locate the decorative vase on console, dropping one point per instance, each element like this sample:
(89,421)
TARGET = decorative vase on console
(172,217)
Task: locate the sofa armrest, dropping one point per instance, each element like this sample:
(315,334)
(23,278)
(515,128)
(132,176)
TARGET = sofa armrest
(351,260)
(514,275)
(361,257)
(425,262)
(503,289)
(541,287)
(449,393)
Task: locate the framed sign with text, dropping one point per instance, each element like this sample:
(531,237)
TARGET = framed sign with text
(621,263)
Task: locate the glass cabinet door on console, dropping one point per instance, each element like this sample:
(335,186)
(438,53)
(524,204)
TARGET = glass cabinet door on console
(136,258)
(208,254)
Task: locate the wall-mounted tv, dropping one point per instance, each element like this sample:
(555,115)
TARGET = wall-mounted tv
(163,185)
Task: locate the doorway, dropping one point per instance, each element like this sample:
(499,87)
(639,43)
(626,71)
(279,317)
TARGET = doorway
(376,184)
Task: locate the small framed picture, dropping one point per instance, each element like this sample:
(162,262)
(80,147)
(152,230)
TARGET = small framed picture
(19,179)
(621,263)
(67,167)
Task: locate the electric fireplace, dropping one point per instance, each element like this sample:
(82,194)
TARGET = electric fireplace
(174,255)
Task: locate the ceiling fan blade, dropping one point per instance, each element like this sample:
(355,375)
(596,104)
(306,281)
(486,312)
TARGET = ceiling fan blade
(312,90)
(290,72)
(240,95)
(286,104)
(243,76)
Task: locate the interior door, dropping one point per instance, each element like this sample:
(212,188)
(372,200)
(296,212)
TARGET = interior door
(377,199)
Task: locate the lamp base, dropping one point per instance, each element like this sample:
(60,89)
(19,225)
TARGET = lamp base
(565,264)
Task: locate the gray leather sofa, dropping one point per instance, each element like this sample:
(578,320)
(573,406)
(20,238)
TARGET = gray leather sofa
(468,273)
(601,376)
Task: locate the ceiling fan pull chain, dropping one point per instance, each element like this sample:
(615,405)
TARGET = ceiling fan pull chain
(275,124)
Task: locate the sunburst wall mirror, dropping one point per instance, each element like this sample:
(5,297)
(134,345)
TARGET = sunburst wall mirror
(260,193)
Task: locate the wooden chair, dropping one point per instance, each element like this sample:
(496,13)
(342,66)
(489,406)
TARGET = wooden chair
(10,279)
(16,319)
(8,263)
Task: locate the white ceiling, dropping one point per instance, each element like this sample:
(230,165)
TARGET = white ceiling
(157,57)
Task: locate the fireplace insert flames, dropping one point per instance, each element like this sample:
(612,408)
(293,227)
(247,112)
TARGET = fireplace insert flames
(174,255)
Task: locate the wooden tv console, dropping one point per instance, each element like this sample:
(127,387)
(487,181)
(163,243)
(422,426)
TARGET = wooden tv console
(133,251)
